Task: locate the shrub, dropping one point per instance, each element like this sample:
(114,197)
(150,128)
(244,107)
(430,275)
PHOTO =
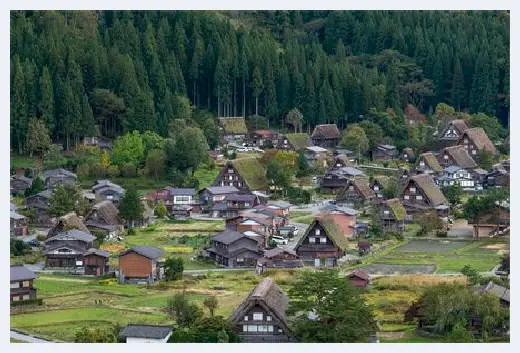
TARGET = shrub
(441,234)
(83,171)
(131,231)
(38,301)
(108,282)
(41,237)
(96,170)
(128,170)
(113,171)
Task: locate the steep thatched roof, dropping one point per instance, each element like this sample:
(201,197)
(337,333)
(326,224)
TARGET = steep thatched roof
(332,230)
(425,183)
(409,152)
(460,156)
(107,211)
(299,141)
(326,131)
(397,209)
(252,171)
(480,139)
(268,295)
(382,180)
(68,222)
(430,161)
(362,184)
(234,126)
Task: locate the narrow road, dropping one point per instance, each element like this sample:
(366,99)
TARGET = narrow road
(26,338)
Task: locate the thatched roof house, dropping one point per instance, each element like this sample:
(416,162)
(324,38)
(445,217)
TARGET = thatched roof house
(68,222)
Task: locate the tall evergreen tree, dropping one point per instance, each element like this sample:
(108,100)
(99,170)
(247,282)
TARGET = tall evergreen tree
(47,110)
(19,107)
(458,92)
(258,86)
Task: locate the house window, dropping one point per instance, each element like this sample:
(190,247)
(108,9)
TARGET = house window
(246,204)
(230,177)
(25,284)
(262,328)
(280,330)
(376,188)
(244,328)
(406,197)
(465,140)
(323,240)
(318,232)
(25,297)
(270,328)
(285,142)
(15,299)
(386,212)
(258,316)
(15,285)
(239,184)
(473,152)
(269,318)
(412,190)
(221,183)
(419,197)
(446,156)
(312,240)
(230,171)
(421,163)
(252,328)
(240,259)
(246,318)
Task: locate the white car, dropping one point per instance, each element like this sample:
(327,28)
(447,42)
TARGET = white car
(279,240)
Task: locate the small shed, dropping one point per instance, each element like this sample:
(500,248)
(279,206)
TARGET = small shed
(147,333)
(358,278)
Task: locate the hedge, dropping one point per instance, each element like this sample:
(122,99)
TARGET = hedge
(28,302)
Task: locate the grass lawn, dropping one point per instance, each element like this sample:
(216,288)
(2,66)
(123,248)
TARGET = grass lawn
(206,176)
(14,340)
(411,229)
(23,161)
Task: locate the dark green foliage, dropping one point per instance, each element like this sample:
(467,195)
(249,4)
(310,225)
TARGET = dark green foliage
(472,275)
(211,302)
(53,157)
(173,268)
(504,264)
(303,167)
(37,186)
(38,301)
(206,330)
(182,311)
(63,200)
(19,248)
(94,335)
(130,207)
(453,193)
(485,160)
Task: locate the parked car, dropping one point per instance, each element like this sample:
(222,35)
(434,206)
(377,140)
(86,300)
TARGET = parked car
(279,240)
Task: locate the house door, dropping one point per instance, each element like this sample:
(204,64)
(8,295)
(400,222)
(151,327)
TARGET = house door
(317,262)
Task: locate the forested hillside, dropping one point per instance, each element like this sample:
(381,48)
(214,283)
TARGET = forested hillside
(140,70)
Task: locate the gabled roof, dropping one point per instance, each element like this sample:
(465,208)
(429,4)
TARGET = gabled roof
(279,204)
(363,186)
(331,229)
(397,208)
(270,253)
(98,252)
(46,194)
(235,125)
(495,289)
(181,191)
(299,141)
(221,190)
(252,171)
(21,273)
(228,236)
(149,252)
(346,171)
(108,211)
(67,222)
(329,207)
(359,274)
(431,161)
(16,216)
(460,156)
(147,331)
(57,172)
(265,133)
(452,169)
(326,131)
(426,184)
(459,124)
(75,234)
(22,178)
(240,197)
(386,147)
(480,139)
(316,149)
(267,294)
(102,184)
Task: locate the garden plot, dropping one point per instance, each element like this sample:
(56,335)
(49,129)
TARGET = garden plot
(389,269)
(431,246)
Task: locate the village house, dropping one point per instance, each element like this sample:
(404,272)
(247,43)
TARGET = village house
(451,133)
(246,174)
(383,153)
(267,214)
(357,192)
(326,135)
(106,190)
(279,208)
(278,258)
(66,249)
(235,249)
(261,225)
(96,262)
(264,138)
(22,284)
(392,214)
(457,155)
(261,317)
(60,176)
(233,128)
(233,204)
(19,184)
(322,244)
(181,196)
(495,223)
(378,184)
(502,293)
(146,333)
(213,194)
(335,179)
(141,265)
(341,160)
(475,141)
(147,217)
(358,278)
(67,222)
(455,175)
(316,157)
(344,217)
(294,142)
(39,203)
(407,155)
(427,163)
(421,194)
(103,143)
(18,225)
(497,178)
(479,177)
(103,218)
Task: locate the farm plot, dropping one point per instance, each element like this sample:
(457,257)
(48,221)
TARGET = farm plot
(391,269)
(429,245)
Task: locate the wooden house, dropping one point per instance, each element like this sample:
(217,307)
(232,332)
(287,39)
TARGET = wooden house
(105,190)
(358,278)
(67,222)
(356,192)
(22,284)
(104,144)
(455,175)
(457,155)
(497,178)
(378,184)
(261,317)
(266,214)
(19,184)
(233,204)
(335,179)
(326,135)
(245,174)
(407,155)
(182,196)
(344,217)
(383,153)
(451,133)
(278,258)
(141,265)
(146,333)
(316,157)
(322,244)
(96,262)
(234,249)
(294,142)
(279,208)
(264,138)
(213,194)
(422,194)
(502,293)
(60,176)
(39,204)
(233,128)
(66,249)
(341,160)
(392,214)
(104,218)
(18,225)
(475,141)
(427,163)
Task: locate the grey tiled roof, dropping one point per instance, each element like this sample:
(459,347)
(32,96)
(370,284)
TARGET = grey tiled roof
(56,172)
(219,190)
(76,234)
(147,331)
(98,252)
(181,191)
(146,251)
(19,273)
(228,236)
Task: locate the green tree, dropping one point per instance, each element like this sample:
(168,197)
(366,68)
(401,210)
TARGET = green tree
(128,149)
(472,275)
(155,163)
(258,86)
(355,139)
(130,207)
(188,150)
(340,313)
(277,175)
(19,107)
(94,335)
(47,100)
(173,268)
(160,210)
(53,157)
(211,302)
(490,124)
(453,193)
(206,330)
(63,200)
(182,311)
(458,91)
(19,247)
(36,187)
(38,139)
(303,167)
(477,207)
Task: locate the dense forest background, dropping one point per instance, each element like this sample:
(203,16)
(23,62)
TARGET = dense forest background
(110,72)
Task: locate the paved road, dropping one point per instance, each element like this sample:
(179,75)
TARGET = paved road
(26,338)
